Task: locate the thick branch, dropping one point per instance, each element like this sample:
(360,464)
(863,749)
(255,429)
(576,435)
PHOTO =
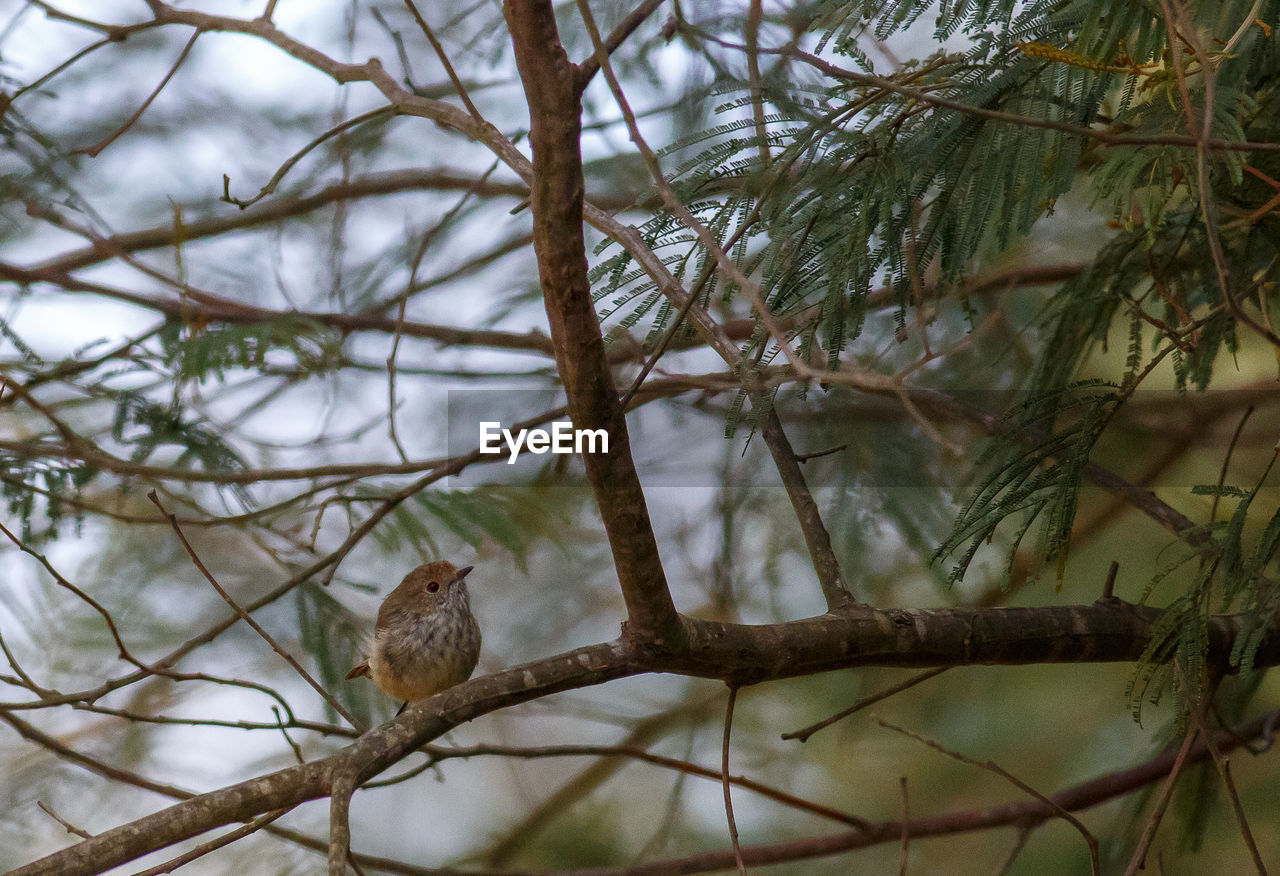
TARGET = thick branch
(1103,632)
(368,756)
(550,84)
(1106,631)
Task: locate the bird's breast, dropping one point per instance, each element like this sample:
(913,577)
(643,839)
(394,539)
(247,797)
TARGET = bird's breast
(422,654)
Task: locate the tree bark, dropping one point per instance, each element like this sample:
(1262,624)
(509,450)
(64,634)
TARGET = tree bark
(551,85)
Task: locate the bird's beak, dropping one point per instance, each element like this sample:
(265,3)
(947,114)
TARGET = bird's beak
(462,573)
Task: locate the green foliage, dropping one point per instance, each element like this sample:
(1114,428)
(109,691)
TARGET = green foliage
(146,426)
(1034,472)
(864,184)
(518,519)
(36,488)
(334,637)
(196,354)
(1236,574)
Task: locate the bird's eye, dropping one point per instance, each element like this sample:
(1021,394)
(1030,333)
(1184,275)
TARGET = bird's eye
(433,586)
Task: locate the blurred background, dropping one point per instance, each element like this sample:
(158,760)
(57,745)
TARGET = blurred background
(377,303)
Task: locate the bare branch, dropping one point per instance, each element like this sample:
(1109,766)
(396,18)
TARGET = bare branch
(96,150)
(344,786)
(248,618)
(588,68)
(991,766)
(444,60)
(292,160)
(834,587)
(1223,766)
(803,735)
(281,208)
(213,845)
(555,119)
(732,653)
(71,828)
(724,779)
(1023,815)
(1138,861)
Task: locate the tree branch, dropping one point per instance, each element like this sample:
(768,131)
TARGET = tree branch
(834,587)
(1025,815)
(371,754)
(555,109)
(590,66)
(733,653)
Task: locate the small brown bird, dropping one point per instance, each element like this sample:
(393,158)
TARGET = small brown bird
(426,638)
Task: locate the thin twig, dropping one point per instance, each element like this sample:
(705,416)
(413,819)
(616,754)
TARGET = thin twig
(724,778)
(1196,708)
(1138,860)
(439,754)
(670,334)
(116,35)
(755,13)
(95,150)
(906,827)
(1226,462)
(370,185)
(71,828)
(991,766)
(1109,586)
(282,721)
(835,589)
(588,68)
(444,59)
(1019,843)
(818,454)
(284,731)
(803,735)
(410,285)
(672,202)
(22,676)
(299,155)
(214,844)
(124,653)
(248,618)
(583,783)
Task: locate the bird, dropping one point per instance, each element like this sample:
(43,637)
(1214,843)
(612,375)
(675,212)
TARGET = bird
(426,639)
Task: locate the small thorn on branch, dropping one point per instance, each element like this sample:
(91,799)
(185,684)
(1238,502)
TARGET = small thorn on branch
(805,457)
(1109,588)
